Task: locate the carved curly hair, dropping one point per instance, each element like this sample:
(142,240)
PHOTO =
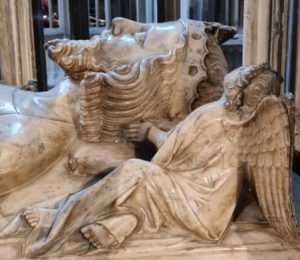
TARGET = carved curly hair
(266,79)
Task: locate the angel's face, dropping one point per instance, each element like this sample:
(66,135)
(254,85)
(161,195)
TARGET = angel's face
(234,94)
(256,91)
(253,94)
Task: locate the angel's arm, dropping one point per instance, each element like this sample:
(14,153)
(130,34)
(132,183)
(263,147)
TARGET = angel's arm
(140,131)
(166,125)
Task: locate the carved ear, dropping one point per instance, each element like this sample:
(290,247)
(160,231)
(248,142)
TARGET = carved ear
(222,32)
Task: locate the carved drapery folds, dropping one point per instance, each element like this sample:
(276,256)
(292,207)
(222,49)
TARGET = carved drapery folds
(128,82)
(190,187)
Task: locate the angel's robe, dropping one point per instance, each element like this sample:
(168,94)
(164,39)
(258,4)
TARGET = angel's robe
(192,183)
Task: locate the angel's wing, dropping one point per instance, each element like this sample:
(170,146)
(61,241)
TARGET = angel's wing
(266,148)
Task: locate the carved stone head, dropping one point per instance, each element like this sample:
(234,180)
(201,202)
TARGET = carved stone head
(145,71)
(246,86)
(128,43)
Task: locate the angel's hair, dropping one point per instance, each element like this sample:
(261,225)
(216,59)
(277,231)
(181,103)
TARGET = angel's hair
(266,79)
(254,71)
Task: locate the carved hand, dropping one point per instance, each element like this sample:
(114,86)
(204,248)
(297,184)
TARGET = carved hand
(137,131)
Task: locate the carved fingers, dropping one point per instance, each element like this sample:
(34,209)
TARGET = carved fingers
(31,217)
(137,131)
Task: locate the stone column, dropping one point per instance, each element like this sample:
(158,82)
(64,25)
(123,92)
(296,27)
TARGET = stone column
(17,44)
(265,34)
(265,26)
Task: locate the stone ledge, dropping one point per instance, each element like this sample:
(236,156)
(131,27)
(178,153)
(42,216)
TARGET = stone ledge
(251,241)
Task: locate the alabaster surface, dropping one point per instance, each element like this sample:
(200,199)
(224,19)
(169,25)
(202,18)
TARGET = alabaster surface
(71,187)
(151,72)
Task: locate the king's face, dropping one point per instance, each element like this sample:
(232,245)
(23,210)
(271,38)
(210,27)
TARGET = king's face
(146,41)
(114,47)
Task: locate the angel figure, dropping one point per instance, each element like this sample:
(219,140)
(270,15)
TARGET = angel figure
(193,181)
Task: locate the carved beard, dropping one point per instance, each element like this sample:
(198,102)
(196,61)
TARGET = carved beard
(79,57)
(111,100)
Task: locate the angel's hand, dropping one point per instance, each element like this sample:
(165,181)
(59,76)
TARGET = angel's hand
(137,131)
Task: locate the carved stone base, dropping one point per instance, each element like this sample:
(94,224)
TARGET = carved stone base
(243,241)
(249,237)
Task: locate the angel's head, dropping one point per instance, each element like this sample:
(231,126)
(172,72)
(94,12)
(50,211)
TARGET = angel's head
(247,86)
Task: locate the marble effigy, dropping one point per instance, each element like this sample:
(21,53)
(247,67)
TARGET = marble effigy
(154,72)
(162,83)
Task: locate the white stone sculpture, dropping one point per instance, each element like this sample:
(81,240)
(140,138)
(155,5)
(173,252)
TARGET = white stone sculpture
(192,184)
(154,72)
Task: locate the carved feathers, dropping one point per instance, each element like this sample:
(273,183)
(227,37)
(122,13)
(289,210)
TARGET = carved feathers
(266,150)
